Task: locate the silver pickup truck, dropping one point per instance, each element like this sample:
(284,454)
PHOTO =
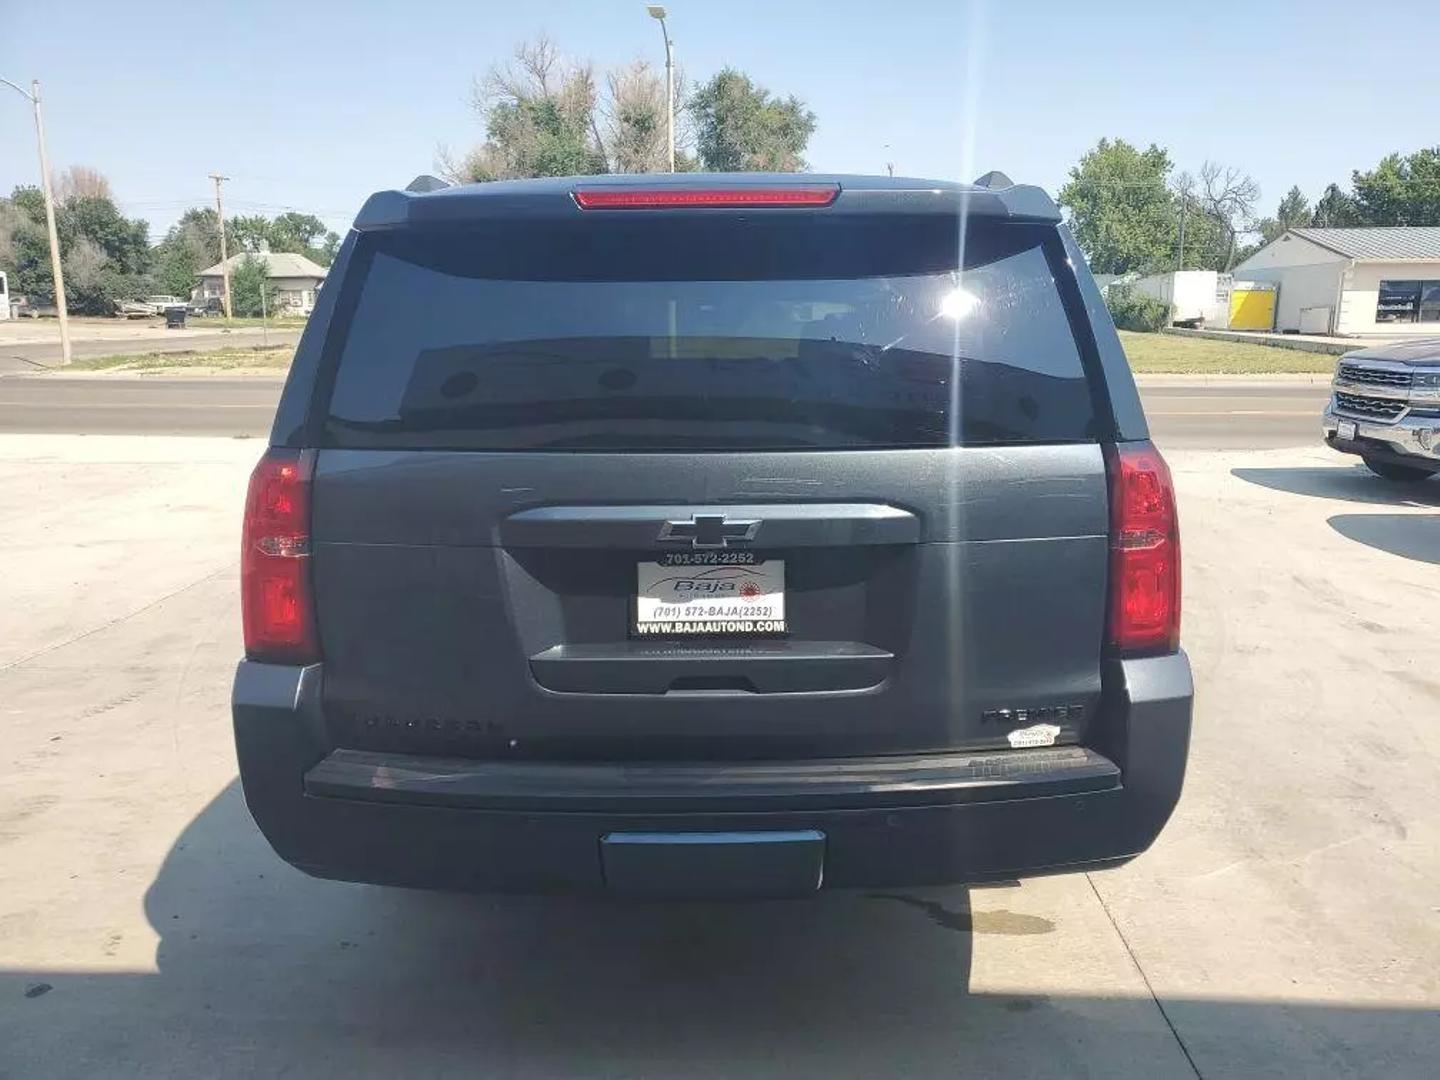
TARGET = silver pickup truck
(1386,408)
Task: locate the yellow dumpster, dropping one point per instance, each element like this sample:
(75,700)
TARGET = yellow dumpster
(1252,306)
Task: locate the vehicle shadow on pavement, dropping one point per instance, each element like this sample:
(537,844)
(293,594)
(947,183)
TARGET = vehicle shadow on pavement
(1349,483)
(263,971)
(1411,536)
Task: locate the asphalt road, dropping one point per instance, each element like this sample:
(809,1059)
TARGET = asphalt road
(113,405)
(1234,415)
(1195,416)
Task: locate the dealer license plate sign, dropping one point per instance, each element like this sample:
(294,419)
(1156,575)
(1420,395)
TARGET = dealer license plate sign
(1346,430)
(729,594)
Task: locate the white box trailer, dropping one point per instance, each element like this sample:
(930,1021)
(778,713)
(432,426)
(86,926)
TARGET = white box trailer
(1196,297)
(4,296)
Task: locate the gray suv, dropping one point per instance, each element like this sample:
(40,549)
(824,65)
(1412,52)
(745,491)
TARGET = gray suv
(710,535)
(1385,407)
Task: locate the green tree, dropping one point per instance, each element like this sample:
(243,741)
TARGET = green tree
(124,241)
(1400,190)
(1293,213)
(24,245)
(8,250)
(93,284)
(251,291)
(304,234)
(1294,210)
(1120,208)
(1334,209)
(540,120)
(107,254)
(250,232)
(545,115)
(192,244)
(741,127)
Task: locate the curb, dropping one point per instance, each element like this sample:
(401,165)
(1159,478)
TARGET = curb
(1178,380)
(1272,340)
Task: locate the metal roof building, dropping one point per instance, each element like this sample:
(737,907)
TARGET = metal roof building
(1369,281)
(296,279)
(278,264)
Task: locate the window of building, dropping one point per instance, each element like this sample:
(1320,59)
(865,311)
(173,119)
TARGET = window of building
(1408,302)
(1430,301)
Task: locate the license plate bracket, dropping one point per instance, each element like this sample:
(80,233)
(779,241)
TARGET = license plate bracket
(709,594)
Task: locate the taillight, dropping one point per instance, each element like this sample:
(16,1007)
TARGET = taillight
(275,597)
(638,198)
(1144,552)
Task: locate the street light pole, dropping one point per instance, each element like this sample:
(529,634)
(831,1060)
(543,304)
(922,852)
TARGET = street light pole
(658,13)
(34,95)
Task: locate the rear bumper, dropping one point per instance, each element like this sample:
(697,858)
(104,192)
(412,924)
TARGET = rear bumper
(774,827)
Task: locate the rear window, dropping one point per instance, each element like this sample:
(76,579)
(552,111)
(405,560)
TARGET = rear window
(733,333)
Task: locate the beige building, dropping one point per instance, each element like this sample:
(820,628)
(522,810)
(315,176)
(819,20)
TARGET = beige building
(1370,281)
(296,280)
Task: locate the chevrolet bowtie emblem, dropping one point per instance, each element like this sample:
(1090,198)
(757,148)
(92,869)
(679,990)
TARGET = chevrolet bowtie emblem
(709,531)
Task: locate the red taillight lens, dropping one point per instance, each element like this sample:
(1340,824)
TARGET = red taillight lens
(1144,552)
(275,598)
(667,198)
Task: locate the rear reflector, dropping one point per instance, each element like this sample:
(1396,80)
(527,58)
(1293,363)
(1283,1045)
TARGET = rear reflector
(667,198)
(275,597)
(1144,552)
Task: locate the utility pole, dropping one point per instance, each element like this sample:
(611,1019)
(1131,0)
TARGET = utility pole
(658,13)
(59,277)
(1180,254)
(224,248)
(264,315)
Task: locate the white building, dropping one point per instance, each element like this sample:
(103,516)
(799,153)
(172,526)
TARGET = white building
(1371,281)
(295,278)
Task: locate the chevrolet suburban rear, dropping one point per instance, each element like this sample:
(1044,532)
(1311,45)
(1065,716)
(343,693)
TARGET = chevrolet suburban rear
(710,535)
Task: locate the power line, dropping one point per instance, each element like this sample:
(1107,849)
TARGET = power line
(170,204)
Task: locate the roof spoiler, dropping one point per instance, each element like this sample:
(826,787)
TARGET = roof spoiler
(424,183)
(994,196)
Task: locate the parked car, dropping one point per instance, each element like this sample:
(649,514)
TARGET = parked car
(1385,407)
(718,535)
(148,307)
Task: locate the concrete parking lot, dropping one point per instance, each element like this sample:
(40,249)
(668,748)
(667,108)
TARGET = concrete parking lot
(1286,924)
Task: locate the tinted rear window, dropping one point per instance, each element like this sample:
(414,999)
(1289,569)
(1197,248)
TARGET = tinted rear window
(721,334)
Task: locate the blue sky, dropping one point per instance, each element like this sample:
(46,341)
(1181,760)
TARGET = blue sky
(312,105)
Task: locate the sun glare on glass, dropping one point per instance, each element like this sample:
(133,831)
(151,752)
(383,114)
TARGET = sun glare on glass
(958,303)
